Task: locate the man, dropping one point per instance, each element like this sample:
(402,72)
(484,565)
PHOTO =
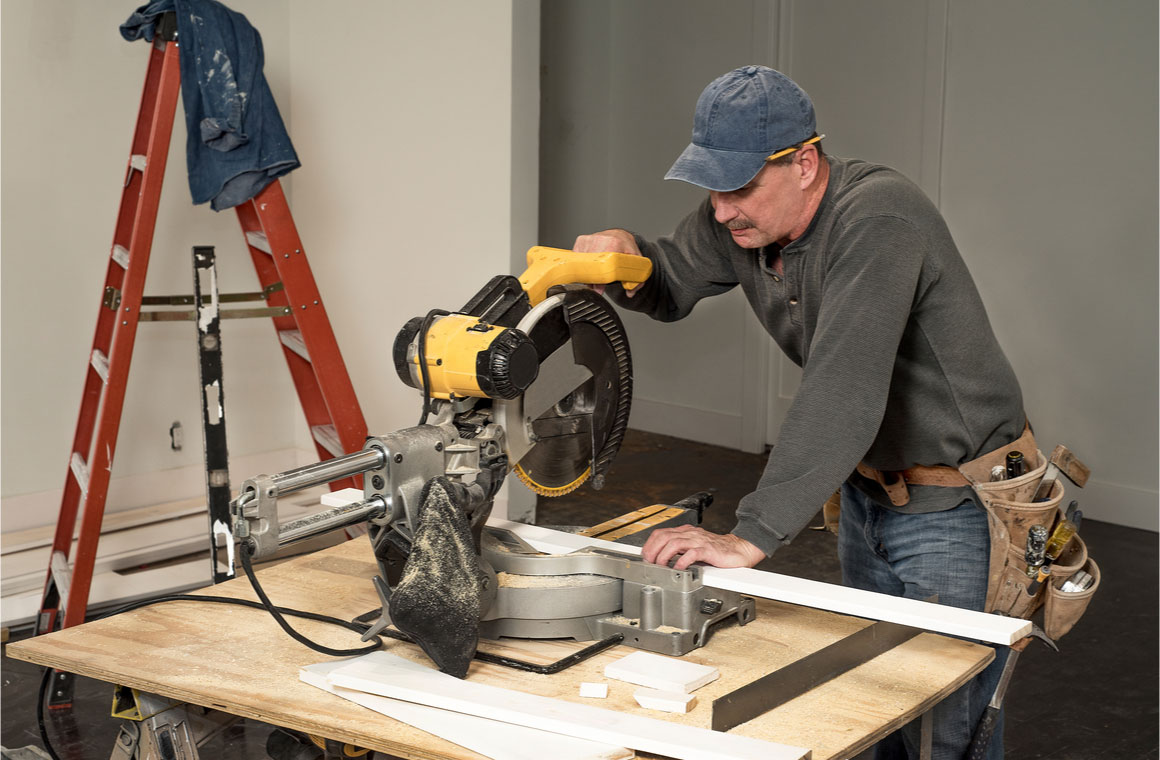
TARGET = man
(852,271)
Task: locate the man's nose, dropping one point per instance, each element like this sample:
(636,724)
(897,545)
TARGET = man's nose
(723,209)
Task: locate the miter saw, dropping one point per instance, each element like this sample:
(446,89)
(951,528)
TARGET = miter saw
(532,375)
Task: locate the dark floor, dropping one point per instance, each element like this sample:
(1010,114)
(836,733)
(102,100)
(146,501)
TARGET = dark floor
(1096,698)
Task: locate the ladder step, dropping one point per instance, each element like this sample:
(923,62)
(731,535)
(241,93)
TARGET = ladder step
(138,161)
(258,240)
(80,471)
(327,437)
(61,577)
(292,339)
(121,256)
(100,363)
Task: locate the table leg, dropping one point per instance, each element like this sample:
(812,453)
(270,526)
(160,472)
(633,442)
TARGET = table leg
(927,729)
(156,728)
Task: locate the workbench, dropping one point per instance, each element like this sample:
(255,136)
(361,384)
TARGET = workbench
(239,661)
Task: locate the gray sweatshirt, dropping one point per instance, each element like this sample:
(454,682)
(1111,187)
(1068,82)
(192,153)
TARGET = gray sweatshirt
(901,367)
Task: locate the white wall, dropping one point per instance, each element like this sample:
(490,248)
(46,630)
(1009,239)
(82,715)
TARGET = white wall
(70,93)
(403,117)
(1033,125)
(1056,203)
(406,193)
(419,171)
(620,81)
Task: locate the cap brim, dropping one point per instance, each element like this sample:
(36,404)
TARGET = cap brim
(720,170)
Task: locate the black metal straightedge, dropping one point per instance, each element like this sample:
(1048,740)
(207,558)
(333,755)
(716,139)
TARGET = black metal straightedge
(777,688)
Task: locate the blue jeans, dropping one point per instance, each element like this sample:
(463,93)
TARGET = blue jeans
(915,556)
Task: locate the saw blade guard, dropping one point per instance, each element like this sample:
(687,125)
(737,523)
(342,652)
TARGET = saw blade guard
(568,425)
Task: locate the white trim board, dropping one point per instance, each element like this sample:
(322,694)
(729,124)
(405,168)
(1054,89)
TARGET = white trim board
(500,741)
(953,621)
(115,589)
(32,510)
(380,673)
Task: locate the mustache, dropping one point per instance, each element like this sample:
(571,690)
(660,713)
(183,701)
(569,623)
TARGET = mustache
(738,224)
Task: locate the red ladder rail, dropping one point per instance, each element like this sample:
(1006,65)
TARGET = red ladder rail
(91,461)
(308,343)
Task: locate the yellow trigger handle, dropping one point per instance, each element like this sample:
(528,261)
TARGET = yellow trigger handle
(556,266)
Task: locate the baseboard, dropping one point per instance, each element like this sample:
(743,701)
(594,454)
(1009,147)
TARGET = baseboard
(1117,504)
(701,425)
(130,492)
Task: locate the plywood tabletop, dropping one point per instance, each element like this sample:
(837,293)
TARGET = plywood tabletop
(239,660)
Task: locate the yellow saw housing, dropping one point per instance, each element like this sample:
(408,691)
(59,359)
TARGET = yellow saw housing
(555,266)
(468,357)
(465,356)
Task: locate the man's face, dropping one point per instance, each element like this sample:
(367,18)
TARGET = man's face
(765,211)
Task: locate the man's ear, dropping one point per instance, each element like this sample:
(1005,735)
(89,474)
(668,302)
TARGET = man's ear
(808,160)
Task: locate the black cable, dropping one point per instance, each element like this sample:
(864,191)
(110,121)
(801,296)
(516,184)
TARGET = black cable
(423,371)
(245,551)
(44,681)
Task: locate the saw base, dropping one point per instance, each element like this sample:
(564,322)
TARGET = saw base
(594,593)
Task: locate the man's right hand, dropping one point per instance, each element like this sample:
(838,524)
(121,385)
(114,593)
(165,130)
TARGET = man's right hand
(616,241)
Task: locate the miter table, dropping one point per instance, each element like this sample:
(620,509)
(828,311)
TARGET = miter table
(239,661)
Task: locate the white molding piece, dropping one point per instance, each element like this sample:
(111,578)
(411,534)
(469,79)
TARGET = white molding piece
(500,741)
(591,690)
(665,701)
(380,673)
(826,596)
(952,621)
(661,673)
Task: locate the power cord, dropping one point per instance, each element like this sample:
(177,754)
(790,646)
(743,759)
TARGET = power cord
(423,371)
(277,613)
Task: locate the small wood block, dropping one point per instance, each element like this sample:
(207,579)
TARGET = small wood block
(594,690)
(659,672)
(666,701)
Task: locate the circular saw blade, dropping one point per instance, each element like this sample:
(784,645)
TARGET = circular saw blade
(578,437)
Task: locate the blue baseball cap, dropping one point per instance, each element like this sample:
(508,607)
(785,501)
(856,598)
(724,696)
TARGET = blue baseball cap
(743,119)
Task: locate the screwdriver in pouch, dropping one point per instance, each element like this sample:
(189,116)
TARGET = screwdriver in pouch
(1059,538)
(1036,552)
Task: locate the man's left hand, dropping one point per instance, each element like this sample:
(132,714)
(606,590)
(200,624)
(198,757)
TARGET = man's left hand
(689,544)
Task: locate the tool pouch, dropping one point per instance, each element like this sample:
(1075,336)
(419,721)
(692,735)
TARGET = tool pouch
(1011,513)
(1063,609)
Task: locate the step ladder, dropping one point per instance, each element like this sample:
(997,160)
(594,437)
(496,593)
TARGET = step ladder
(311,351)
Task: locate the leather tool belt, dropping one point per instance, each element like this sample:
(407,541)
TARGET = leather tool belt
(894,483)
(1011,512)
